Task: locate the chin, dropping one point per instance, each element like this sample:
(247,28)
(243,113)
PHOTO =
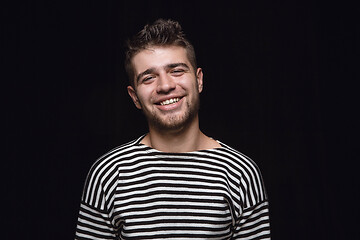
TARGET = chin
(171,123)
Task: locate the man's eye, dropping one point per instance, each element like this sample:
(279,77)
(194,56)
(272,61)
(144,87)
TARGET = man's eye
(147,78)
(177,71)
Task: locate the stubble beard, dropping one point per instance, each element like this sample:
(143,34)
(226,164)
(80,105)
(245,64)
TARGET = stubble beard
(174,122)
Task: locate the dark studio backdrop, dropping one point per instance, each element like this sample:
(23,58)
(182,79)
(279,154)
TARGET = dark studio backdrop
(279,87)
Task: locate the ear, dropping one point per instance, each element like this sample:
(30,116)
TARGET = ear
(199,78)
(133,96)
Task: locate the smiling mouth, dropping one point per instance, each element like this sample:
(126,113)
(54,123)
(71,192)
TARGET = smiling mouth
(169,101)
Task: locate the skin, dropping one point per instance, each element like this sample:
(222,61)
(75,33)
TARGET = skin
(163,73)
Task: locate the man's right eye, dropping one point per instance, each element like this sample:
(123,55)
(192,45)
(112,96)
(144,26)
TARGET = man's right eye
(146,79)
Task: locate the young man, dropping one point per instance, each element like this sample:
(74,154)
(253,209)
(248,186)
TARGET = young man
(174,182)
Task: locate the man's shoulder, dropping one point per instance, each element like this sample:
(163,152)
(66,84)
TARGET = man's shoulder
(104,170)
(236,157)
(117,154)
(121,149)
(232,152)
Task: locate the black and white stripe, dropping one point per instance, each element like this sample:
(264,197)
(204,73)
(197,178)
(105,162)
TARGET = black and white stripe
(136,192)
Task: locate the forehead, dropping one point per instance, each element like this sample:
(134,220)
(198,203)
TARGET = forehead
(159,56)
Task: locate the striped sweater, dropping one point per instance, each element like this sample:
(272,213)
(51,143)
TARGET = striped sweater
(137,192)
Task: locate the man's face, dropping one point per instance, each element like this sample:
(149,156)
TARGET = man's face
(166,87)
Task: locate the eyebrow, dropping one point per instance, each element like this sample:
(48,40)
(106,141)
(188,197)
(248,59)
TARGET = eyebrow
(168,66)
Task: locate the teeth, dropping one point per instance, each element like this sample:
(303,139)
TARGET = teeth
(169,101)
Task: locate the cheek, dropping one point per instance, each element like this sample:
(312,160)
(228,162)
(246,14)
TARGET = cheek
(145,95)
(192,87)
(189,84)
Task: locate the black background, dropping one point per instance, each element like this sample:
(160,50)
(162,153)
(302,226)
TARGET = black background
(279,87)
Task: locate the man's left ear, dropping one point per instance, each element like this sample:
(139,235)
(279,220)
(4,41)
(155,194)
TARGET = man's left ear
(199,78)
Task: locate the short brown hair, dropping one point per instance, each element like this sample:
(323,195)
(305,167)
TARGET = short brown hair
(160,33)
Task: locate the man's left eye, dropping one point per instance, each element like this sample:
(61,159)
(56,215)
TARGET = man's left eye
(178,71)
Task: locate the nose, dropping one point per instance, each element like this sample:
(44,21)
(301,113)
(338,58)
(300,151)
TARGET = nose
(165,84)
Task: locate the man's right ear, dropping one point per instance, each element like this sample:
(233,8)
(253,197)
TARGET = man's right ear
(134,97)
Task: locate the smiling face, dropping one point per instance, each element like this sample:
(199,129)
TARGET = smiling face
(166,87)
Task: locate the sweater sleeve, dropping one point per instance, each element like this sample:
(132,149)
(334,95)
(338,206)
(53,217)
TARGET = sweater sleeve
(94,224)
(254,222)
(95,219)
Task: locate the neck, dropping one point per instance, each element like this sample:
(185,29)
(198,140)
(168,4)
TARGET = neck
(186,139)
